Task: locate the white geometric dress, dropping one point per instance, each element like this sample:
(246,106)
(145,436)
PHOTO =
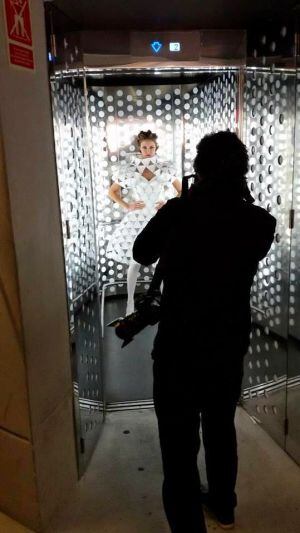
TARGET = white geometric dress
(129,176)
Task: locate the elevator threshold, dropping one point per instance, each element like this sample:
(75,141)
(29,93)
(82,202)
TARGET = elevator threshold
(127,406)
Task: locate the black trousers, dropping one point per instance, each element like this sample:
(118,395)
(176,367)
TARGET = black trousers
(184,391)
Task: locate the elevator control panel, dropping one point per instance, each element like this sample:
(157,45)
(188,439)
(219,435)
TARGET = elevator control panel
(177,45)
(173,47)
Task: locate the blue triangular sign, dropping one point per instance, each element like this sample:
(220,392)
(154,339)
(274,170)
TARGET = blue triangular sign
(156,46)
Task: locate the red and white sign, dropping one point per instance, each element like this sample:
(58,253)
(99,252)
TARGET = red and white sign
(19,34)
(21,56)
(18,21)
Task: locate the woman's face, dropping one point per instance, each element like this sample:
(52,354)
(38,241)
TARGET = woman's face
(147,148)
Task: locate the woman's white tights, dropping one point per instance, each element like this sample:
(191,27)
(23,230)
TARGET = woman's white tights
(132,276)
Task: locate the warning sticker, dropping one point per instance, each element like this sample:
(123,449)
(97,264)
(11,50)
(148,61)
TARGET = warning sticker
(21,56)
(18,21)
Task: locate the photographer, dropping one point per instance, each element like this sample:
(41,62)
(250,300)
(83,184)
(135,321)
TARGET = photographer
(209,244)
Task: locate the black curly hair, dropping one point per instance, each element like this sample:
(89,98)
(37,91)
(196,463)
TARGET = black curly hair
(222,157)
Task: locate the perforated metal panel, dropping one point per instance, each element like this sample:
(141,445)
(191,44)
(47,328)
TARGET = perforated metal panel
(76,200)
(117,115)
(269,99)
(294,310)
(206,109)
(276,61)
(74,184)
(180,115)
(88,353)
(293,384)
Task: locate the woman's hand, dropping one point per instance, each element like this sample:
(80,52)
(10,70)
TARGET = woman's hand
(159,204)
(133,206)
(177,186)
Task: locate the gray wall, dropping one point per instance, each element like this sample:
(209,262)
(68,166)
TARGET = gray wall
(32,186)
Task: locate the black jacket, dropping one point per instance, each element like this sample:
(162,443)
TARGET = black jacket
(209,245)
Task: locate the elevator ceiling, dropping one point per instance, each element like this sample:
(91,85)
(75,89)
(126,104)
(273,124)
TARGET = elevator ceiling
(159,15)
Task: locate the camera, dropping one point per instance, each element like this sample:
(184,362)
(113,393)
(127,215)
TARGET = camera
(147,314)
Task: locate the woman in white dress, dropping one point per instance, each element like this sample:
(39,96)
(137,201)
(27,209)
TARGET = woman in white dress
(147,180)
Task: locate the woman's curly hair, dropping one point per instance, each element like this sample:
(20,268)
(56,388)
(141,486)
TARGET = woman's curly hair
(146,136)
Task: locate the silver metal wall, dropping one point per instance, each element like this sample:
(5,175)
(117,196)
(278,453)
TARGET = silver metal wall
(94,131)
(272,369)
(78,227)
(293,367)
(180,114)
(269,127)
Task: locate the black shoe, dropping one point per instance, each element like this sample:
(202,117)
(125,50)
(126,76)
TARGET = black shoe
(224,517)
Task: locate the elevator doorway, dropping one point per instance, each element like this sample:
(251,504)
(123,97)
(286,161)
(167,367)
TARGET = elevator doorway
(97,112)
(97,115)
(180,109)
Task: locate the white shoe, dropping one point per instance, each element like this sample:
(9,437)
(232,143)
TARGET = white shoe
(130,308)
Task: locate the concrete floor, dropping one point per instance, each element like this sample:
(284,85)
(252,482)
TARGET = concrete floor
(120,492)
